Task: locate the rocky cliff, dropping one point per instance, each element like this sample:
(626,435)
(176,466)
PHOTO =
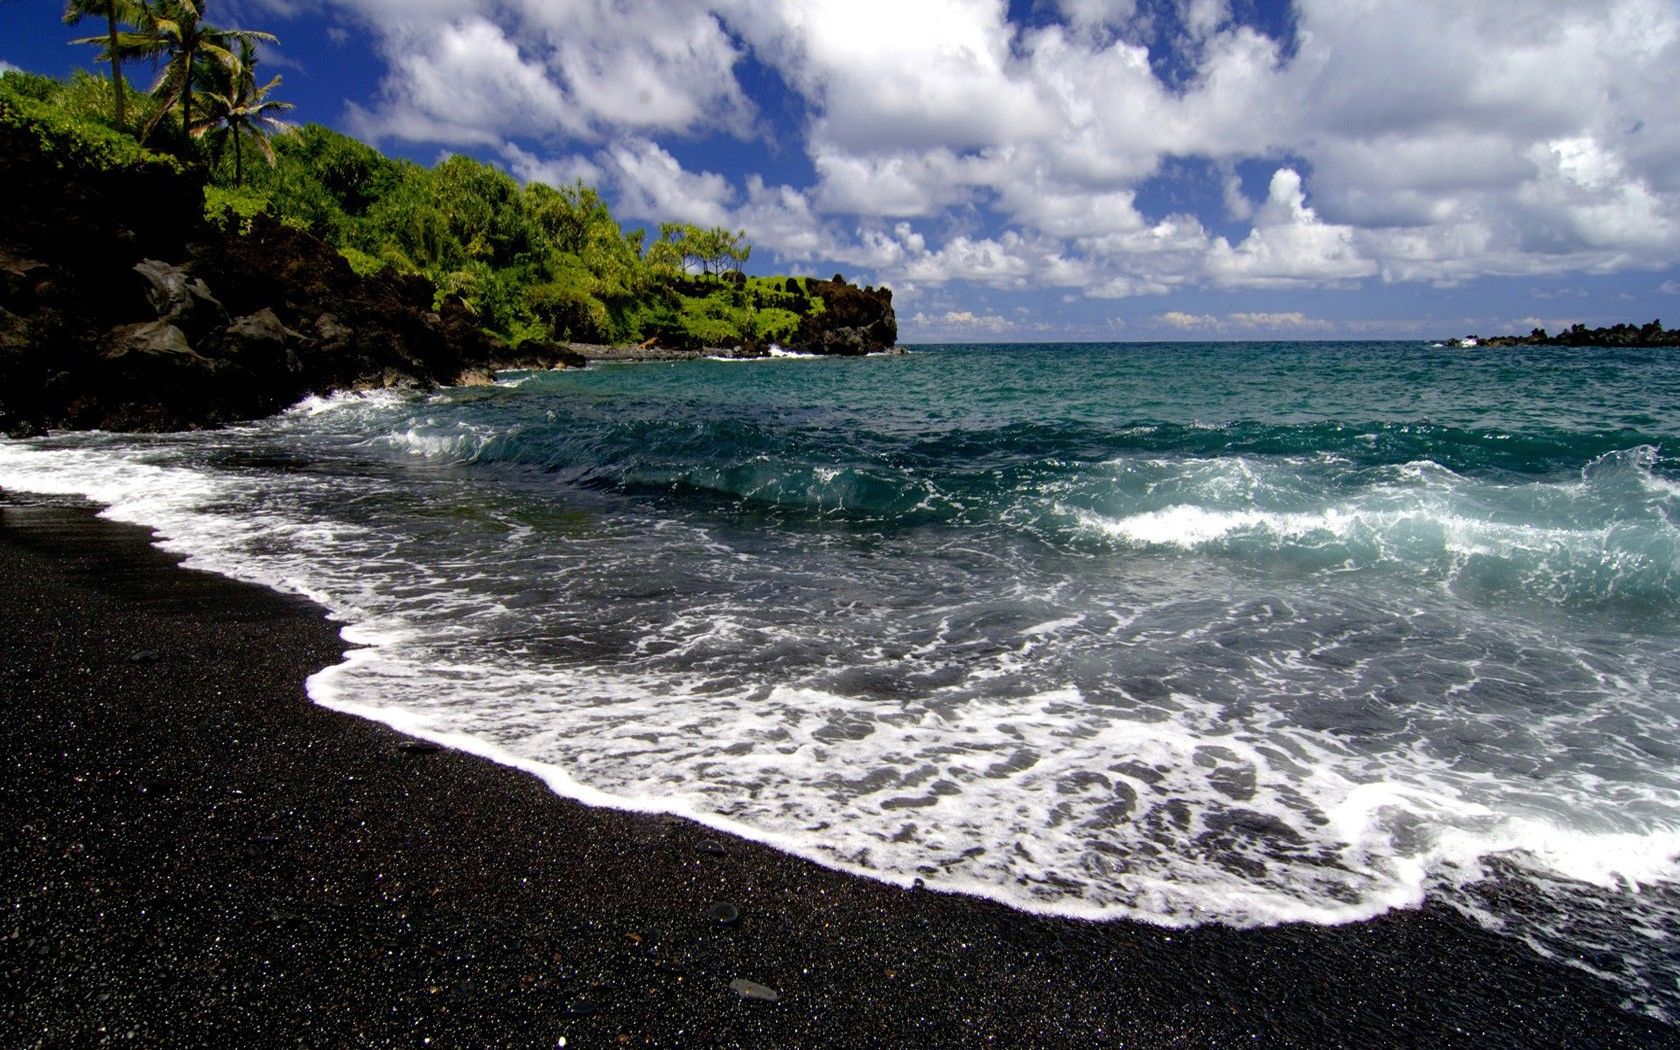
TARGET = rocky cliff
(122,309)
(855,320)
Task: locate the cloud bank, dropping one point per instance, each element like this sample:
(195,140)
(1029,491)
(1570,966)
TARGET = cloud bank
(1342,143)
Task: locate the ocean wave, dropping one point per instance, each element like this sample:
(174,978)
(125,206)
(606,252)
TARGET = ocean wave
(1608,533)
(349,401)
(1609,536)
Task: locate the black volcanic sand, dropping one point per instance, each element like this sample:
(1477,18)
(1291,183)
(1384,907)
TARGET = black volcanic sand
(193,854)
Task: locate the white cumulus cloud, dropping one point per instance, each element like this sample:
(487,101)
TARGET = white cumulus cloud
(467,72)
(1249,323)
(1288,245)
(1181,319)
(960,323)
(1432,141)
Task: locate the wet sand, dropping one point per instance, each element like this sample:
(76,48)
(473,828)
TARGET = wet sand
(195,855)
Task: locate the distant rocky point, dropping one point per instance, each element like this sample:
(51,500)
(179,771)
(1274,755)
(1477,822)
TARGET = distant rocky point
(1652,334)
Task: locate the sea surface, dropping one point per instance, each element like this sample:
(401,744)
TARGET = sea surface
(1240,633)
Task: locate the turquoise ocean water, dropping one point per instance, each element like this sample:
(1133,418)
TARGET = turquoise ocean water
(1243,633)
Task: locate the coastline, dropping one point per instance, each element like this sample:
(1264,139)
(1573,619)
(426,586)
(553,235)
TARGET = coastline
(204,855)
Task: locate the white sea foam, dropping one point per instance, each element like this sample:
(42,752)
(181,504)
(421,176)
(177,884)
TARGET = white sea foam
(1613,535)
(1188,527)
(934,794)
(348,400)
(456,441)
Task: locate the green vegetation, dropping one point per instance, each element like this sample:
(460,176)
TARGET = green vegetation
(528,262)
(68,122)
(1624,334)
(191,49)
(115,13)
(237,110)
(533,261)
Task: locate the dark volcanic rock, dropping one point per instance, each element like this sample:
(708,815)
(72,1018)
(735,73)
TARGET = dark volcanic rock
(121,308)
(854,321)
(376,332)
(261,331)
(157,341)
(537,354)
(262,346)
(180,298)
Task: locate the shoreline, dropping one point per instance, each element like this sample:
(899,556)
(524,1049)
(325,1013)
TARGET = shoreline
(601,353)
(205,855)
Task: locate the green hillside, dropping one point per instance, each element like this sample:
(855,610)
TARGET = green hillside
(527,262)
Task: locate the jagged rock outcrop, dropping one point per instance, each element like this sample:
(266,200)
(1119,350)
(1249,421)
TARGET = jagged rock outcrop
(121,309)
(853,321)
(180,298)
(538,354)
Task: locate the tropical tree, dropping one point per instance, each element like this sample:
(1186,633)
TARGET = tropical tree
(663,258)
(712,250)
(236,108)
(176,31)
(115,13)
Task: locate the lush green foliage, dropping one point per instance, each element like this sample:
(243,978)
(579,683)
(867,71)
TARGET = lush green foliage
(234,209)
(710,251)
(238,110)
(532,261)
(71,122)
(191,49)
(115,13)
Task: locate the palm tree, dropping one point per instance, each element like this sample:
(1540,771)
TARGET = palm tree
(237,108)
(176,29)
(115,12)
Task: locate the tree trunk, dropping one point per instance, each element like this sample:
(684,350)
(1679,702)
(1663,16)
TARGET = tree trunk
(116,62)
(238,160)
(186,93)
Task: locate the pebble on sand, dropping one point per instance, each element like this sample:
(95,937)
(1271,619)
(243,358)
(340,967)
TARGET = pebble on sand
(753,990)
(724,914)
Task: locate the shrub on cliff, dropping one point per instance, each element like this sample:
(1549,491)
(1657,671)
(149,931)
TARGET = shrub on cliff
(533,262)
(63,128)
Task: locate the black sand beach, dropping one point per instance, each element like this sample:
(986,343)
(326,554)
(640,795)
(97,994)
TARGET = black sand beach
(195,855)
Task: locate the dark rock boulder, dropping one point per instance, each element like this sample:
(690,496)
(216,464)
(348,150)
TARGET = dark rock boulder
(331,336)
(180,298)
(537,354)
(18,277)
(261,344)
(156,359)
(150,342)
(368,331)
(854,321)
(261,330)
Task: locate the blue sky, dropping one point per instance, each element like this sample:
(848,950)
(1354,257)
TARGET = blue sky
(1060,169)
